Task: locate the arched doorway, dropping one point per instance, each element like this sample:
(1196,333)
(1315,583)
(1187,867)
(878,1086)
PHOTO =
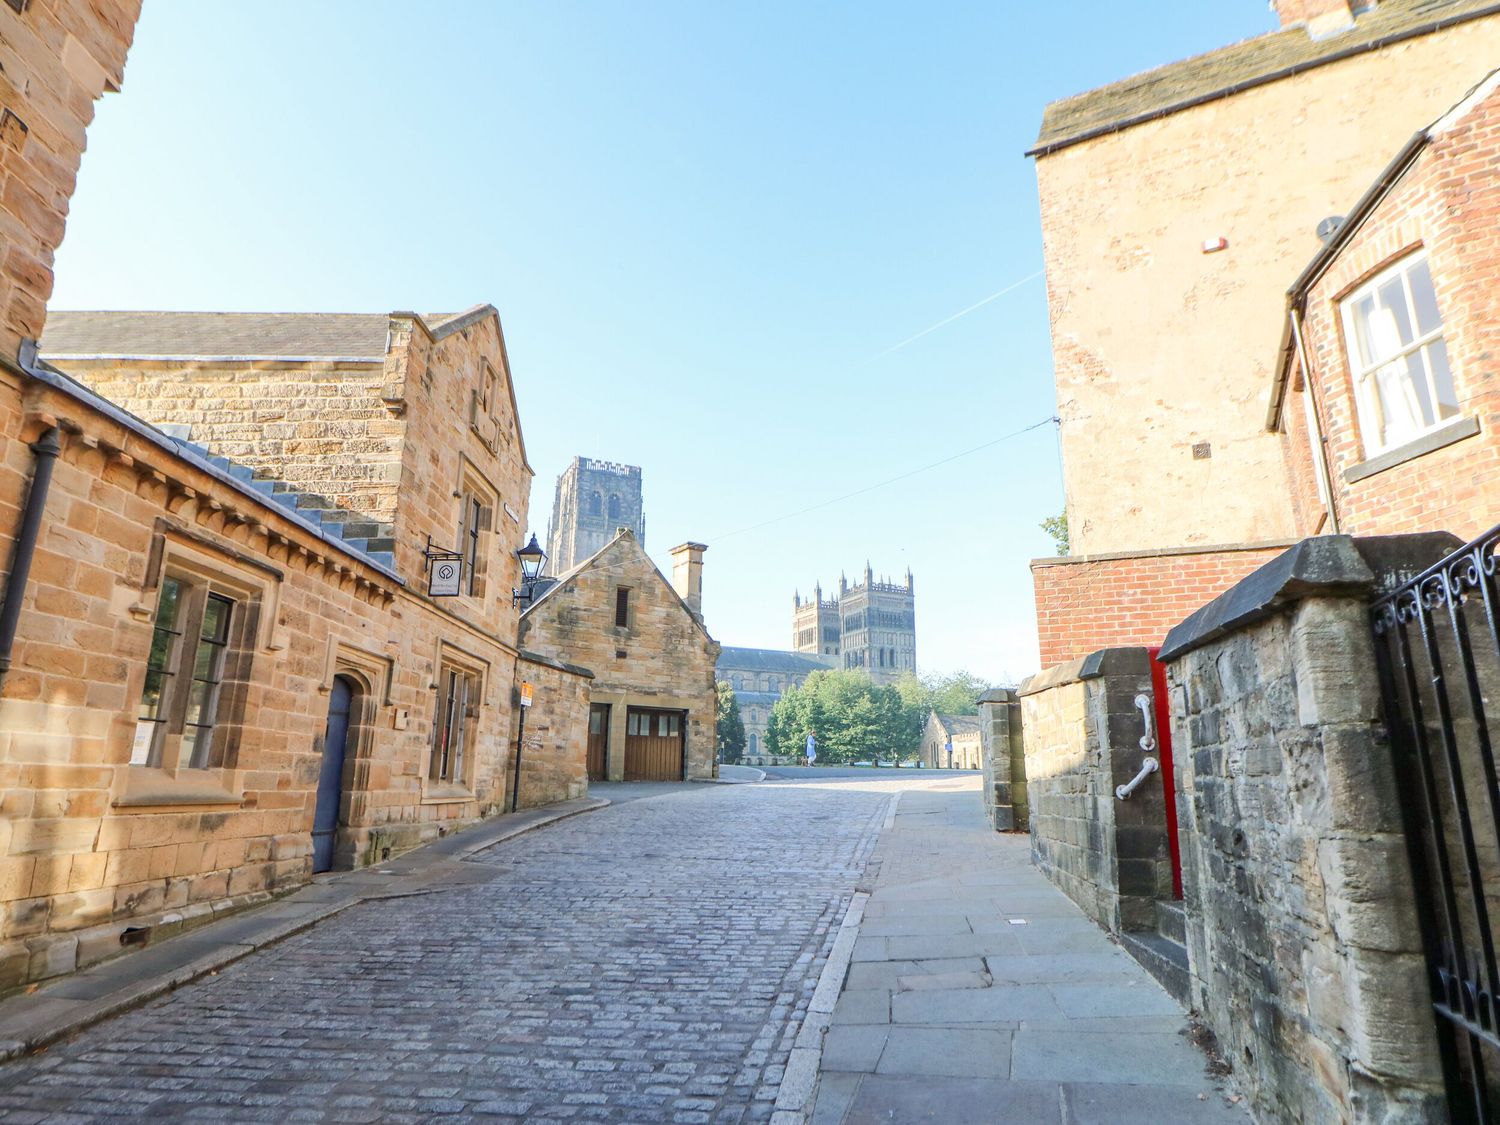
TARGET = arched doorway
(331,772)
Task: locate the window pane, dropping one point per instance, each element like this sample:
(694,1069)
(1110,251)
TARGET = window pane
(192,737)
(1442,379)
(203,702)
(151,694)
(169,603)
(1424,298)
(1392,301)
(1400,404)
(216,613)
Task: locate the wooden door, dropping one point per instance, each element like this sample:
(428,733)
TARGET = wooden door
(331,774)
(598,741)
(653,745)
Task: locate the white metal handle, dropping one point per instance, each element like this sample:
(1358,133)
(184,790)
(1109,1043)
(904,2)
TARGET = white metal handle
(1148,740)
(1148,767)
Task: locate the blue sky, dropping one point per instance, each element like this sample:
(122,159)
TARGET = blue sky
(705,226)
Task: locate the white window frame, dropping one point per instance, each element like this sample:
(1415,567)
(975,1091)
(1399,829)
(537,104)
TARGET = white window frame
(1366,396)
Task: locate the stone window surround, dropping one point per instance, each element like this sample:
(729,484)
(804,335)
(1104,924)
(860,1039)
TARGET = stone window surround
(255,587)
(474,485)
(449,657)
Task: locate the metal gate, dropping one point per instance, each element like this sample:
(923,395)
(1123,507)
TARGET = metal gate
(1437,643)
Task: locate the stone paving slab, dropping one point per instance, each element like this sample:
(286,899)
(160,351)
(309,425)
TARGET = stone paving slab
(1006,1003)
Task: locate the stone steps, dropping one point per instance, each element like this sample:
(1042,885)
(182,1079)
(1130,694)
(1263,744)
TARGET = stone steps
(1164,959)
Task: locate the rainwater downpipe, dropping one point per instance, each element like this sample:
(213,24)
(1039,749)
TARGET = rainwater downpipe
(45,450)
(1317,419)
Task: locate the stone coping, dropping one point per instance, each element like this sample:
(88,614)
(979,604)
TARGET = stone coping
(1130,660)
(560,665)
(1161,553)
(998,695)
(1324,566)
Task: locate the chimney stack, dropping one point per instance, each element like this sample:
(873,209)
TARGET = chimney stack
(687,575)
(1320,17)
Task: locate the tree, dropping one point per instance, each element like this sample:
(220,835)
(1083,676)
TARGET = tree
(730,727)
(957,693)
(852,718)
(1057,527)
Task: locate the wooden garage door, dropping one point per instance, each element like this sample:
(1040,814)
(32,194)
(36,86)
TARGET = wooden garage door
(653,745)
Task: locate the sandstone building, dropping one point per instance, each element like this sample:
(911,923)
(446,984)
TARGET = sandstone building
(594,500)
(653,702)
(871,627)
(951,742)
(759,677)
(1164,287)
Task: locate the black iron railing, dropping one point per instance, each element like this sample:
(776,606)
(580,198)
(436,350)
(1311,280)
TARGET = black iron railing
(1438,655)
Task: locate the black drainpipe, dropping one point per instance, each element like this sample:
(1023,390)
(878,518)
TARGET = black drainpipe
(45,449)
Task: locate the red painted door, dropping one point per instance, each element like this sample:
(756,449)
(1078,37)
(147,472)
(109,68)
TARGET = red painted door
(1163,715)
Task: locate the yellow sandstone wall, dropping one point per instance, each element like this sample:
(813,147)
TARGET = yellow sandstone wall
(57,58)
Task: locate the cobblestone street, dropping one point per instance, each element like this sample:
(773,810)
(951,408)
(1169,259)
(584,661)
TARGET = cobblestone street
(648,962)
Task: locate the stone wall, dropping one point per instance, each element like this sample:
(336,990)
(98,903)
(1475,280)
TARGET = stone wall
(1003,759)
(321,426)
(1163,353)
(554,745)
(1303,942)
(661,659)
(57,58)
(1082,739)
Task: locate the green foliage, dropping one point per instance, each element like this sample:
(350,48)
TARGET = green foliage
(1057,527)
(954,694)
(852,718)
(730,727)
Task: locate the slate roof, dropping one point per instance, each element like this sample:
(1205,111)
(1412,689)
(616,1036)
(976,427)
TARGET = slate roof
(1254,62)
(958,724)
(232,335)
(181,334)
(770,660)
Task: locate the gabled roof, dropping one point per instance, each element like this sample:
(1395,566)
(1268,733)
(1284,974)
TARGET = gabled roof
(567,579)
(1241,66)
(1357,217)
(772,660)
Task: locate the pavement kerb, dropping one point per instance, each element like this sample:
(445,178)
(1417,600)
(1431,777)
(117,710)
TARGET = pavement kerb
(799,1082)
(22,1032)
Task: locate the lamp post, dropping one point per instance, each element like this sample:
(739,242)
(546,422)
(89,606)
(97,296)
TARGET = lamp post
(532,557)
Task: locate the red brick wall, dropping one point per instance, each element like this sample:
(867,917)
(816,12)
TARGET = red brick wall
(1448,204)
(1084,604)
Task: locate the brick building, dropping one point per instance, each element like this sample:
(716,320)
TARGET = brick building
(653,702)
(1383,394)
(1164,287)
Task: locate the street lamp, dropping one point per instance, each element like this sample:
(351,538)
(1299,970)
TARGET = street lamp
(532,557)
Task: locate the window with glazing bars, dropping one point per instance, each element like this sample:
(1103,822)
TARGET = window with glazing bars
(456,701)
(190,647)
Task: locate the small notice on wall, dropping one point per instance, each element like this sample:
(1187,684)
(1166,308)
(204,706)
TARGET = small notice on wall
(525,694)
(445,578)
